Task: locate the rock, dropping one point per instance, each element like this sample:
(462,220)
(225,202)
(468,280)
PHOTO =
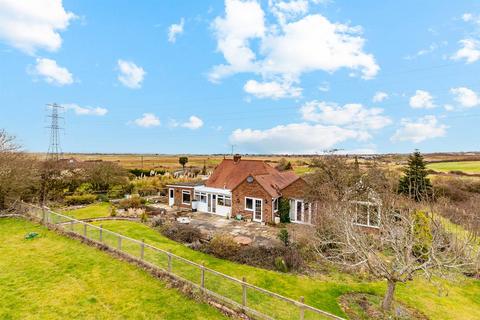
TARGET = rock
(242,240)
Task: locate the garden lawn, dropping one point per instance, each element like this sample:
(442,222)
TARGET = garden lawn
(97,210)
(458,300)
(464,166)
(54,277)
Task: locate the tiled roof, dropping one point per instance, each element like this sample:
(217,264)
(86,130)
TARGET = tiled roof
(229,174)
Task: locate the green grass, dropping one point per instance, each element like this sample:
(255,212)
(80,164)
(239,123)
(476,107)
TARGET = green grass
(465,166)
(97,210)
(459,300)
(54,277)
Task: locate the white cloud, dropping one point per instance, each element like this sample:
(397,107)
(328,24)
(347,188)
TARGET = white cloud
(470,51)
(272,89)
(88,111)
(130,75)
(324,87)
(193,123)
(424,128)
(466,97)
(422,99)
(352,115)
(147,120)
(298,43)
(52,72)
(467,17)
(174,30)
(293,138)
(380,96)
(29,25)
(448,107)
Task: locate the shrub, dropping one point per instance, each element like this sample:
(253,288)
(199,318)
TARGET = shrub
(113,211)
(80,199)
(280,264)
(423,235)
(132,202)
(223,246)
(84,188)
(116,192)
(181,232)
(143,217)
(284,210)
(284,237)
(156,221)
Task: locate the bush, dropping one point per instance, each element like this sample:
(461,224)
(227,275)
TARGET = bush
(156,221)
(223,246)
(284,210)
(80,199)
(181,232)
(280,264)
(132,202)
(284,237)
(102,198)
(84,188)
(116,192)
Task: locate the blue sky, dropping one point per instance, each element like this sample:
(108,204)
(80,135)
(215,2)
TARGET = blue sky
(265,76)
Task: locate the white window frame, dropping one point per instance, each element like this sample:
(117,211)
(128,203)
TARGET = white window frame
(275,204)
(190,195)
(368,204)
(253,204)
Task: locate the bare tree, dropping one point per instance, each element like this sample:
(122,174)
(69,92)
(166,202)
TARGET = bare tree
(398,242)
(18,172)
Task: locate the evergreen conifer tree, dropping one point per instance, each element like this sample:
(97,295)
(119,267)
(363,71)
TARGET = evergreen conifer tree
(415,183)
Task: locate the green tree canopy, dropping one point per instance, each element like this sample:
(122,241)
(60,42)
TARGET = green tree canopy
(414,182)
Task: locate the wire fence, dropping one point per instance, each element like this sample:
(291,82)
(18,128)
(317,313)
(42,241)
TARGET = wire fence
(238,293)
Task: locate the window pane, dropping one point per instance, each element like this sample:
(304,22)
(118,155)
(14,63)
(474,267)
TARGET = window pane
(362,214)
(220,201)
(186,197)
(374,216)
(228,202)
(249,203)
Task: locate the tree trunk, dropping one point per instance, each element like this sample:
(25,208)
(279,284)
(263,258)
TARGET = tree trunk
(388,299)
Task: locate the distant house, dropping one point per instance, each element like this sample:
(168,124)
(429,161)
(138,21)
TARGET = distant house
(250,188)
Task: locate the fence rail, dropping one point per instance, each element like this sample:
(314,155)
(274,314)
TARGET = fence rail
(253,300)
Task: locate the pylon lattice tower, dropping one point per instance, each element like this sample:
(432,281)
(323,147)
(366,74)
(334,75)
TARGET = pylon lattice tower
(54,149)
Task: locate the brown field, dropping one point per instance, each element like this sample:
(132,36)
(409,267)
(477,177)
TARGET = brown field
(299,162)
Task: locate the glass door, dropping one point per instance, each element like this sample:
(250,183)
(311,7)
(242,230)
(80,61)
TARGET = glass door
(257,214)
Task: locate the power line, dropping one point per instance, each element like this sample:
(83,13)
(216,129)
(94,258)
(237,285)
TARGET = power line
(54,148)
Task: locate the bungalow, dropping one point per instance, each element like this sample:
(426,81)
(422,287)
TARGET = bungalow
(250,188)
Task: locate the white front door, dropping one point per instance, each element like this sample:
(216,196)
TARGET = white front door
(171,197)
(300,211)
(212,202)
(257,210)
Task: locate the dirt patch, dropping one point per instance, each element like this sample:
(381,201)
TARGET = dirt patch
(363,306)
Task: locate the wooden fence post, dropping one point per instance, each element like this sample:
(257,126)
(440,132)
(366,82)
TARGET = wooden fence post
(85,230)
(119,244)
(169,254)
(302,309)
(71,225)
(101,233)
(142,249)
(44,216)
(244,292)
(202,279)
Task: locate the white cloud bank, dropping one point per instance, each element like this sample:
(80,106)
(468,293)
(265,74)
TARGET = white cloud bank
(273,89)
(380,96)
(193,123)
(422,100)
(424,128)
(465,97)
(51,72)
(326,124)
(86,111)
(29,25)
(469,51)
(130,75)
(297,43)
(147,120)
(175,30)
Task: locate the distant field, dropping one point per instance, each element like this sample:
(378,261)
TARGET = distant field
(464,166)
(53,277)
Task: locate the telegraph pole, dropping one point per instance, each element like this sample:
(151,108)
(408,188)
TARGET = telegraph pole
(54,149)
